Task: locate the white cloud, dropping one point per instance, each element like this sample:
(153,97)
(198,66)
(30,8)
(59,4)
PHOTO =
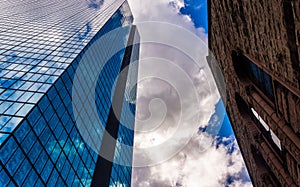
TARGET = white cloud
(192,166)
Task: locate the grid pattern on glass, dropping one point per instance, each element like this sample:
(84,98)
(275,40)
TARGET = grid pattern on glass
(38,41)
(47,148)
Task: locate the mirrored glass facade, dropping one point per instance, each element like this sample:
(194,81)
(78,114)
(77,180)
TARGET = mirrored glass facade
(41,45)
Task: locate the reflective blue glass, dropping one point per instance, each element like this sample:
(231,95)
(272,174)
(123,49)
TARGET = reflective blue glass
(52,179)
(4,179)
(22,131)
(34,152)
(47,171)
(41,161)
(15,161)
(39,183)
(22,172)
(7,150)
(31,178)
(28,142)
(40,143)
(3,137)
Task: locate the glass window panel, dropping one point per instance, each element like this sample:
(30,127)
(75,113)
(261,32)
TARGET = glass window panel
(24,110)
(39,183)
(260,78)
(55,152)
(13,108)
(4,120)
(39,126)
(44,87)
(62,138)
(60,182)
(7,83)
(61,161)
(35,97)
(50,144)
(53,179)
(25,96)
(47,170)
(26,86)
(4,106)
(34,116)
(34,152)
(16,94)
(76,182)
(44,104)
(22,172)
(44,78)
(70,177)
(267,83)
(52,79)
(4,179)
(12,124)
(76,161)
(65,170)
(35,77)
(3,137)
(65,117)
(49,113)
(7,150)
(22,131)
(11,184)
(15,161)
(6,94)
(45,135)
(42,159)
(56,102)
(35,86)
(31,178)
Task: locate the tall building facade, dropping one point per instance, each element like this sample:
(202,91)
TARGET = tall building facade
(42,45)
(256,44)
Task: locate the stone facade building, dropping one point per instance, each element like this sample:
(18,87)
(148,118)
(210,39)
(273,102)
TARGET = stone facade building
(257,45)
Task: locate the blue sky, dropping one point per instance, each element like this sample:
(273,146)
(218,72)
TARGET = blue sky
(197,10)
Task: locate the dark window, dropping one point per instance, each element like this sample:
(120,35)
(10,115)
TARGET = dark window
(246,69)
(261,79)
(239,67)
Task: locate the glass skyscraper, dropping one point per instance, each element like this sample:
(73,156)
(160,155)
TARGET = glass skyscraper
(42,45)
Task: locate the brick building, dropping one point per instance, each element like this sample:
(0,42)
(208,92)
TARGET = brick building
(257,45)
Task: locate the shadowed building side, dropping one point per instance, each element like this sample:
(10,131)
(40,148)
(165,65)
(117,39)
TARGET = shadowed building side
(256,44)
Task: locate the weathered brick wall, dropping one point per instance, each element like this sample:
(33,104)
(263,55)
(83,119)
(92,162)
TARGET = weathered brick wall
(268,33)
(258,27)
